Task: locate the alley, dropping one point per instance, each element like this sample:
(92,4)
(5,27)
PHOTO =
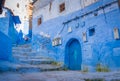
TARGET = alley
(59,40)
(61,76)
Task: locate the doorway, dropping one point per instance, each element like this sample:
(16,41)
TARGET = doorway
(73,56)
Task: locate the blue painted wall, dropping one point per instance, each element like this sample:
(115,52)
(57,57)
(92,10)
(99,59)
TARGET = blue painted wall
(5,47)
(4,23)
(12,32)
(99,48)
(7,26)
(8,36)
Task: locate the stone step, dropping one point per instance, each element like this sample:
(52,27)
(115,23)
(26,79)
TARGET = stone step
(21,49)
(23,53)
(25,45)
(31,61)
(38,68)
(36,61)
(17,56)
(29,54)
(8,66)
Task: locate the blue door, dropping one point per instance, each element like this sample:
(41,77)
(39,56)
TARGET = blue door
(74,55)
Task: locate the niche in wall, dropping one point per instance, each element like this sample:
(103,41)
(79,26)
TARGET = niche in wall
(116,33)
(84,36)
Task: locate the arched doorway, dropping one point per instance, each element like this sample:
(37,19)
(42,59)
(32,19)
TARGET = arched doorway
(73,56)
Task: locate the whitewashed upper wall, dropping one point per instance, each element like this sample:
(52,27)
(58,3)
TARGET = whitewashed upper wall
(22,11)
(70,6)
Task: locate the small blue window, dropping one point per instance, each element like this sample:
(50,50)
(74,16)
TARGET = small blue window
(91,31)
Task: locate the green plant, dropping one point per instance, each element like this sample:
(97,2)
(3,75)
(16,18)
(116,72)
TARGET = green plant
(85,69)
(65,68)
(56,63)
(101,68)
(97,79)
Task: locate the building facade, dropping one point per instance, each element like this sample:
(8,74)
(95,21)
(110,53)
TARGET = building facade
(81,34)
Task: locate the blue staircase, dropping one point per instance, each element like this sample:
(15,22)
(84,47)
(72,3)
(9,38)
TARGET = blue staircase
(26,60)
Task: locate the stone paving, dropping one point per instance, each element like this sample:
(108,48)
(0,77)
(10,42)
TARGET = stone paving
(60,76)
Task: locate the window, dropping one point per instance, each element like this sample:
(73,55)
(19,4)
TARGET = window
(17,5)
(39,21)
(62,7)
(57,41)
(91,31)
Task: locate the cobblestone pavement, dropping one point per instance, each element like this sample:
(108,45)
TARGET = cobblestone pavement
(60,76)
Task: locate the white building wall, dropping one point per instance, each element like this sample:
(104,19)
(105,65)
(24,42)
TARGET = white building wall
(70,6)
(22,11)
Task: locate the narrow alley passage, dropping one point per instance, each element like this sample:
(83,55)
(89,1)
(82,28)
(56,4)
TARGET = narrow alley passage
(59,40)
